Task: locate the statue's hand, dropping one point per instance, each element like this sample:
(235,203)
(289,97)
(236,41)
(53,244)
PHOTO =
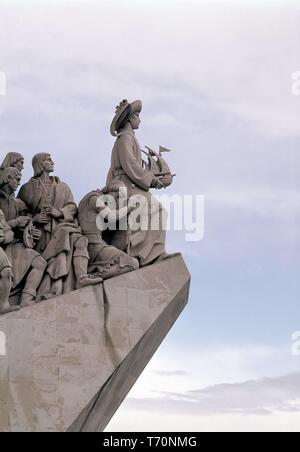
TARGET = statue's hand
(167,180)
(42,218)
(36,234)
(54,212)
(156,183)
(22,222)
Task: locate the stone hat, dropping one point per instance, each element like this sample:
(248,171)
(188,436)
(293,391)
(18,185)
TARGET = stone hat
(123,112)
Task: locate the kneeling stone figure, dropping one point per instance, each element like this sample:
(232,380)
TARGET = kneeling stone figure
(105,260)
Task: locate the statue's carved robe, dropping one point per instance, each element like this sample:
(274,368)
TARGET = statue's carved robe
(4,262)
(61,250)
(8,238)
(35,197)
(126,166)
(20,256)
(61,241)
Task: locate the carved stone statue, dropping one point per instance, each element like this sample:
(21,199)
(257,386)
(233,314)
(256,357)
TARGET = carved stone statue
(105,259)
(6,274)
(127,167)
(13,159)
(49,247)
(51,204)
(28,266)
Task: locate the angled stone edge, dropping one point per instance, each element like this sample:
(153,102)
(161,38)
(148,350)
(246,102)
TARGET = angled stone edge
(104,405)
(71,360)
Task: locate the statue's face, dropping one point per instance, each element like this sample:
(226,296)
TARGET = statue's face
(19,165)
(135,121)
(48,164)
(14,182)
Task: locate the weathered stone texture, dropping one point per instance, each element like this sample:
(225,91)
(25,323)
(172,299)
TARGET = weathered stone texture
(71,360)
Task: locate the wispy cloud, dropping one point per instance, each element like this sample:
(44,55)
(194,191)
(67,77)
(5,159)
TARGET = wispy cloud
(263,396)
(215,79)
(215,394)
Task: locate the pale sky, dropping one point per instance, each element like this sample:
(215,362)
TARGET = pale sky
(216,83)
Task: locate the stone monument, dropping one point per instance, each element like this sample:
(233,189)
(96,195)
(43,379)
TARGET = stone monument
(87,293)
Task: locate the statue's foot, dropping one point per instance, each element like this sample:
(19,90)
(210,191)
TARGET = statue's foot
(8,308)
(46,296)
(26,300)
(117,270)
(88,280)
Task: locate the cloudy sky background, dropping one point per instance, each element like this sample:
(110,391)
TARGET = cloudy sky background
(215,79)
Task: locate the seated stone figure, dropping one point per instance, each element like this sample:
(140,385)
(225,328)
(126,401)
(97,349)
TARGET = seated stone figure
(28,266)
(6,275)
(105,259)
(51,204)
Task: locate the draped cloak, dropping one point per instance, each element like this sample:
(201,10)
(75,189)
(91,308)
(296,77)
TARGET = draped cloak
(20,256)
(126,166)
(59,238)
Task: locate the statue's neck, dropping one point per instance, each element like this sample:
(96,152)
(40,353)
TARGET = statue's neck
(44,176)
(127,128)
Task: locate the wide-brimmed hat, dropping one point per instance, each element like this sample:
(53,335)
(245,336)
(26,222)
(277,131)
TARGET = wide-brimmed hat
(123,112)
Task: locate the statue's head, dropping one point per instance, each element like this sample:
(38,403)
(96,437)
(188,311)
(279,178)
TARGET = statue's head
(135,120)
(42,162)
(10,177)
(126,113)
(13,159)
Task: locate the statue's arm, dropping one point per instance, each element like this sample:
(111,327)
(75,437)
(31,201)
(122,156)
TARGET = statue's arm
(23,216)
(8,235)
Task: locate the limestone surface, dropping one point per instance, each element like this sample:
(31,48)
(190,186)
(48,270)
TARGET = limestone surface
(70,361)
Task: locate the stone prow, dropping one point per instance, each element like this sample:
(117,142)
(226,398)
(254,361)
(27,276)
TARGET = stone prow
(72,360)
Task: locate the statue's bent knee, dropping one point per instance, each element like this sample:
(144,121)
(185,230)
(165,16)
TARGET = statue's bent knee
(81,247)
(39,263)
